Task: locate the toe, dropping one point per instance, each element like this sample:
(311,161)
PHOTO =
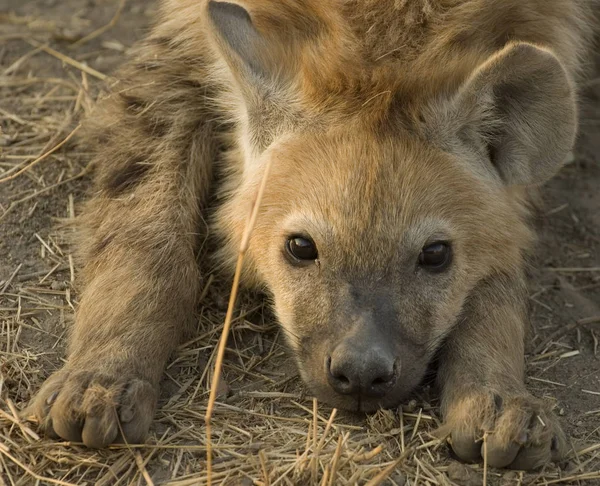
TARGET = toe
(66,414)
(67,423)
(498,453)
(44,417)
(466,447)
(530,458)
(49,429)
(547,443)
(100,430)
(558,446)
(137,410)
(138,398)
(134,432)
(100,402)
(42,403)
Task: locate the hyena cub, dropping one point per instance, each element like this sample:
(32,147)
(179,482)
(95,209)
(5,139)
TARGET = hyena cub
(406,138)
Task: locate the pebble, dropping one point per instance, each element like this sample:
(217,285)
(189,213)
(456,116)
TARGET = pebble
(58,285)
(464,475)
(509,478)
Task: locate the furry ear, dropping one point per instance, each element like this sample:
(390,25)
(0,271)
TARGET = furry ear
(263,45)
(239,40)
(256,45)
(519,108)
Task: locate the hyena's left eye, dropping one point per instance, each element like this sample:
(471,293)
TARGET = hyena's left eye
(301,249)
(436,257)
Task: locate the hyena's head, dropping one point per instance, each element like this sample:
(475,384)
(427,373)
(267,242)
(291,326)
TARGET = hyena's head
(378,220)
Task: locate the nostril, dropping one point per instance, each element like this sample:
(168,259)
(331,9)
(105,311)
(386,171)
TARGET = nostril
(381,383)
(342,379)
(382,380)
(338,380)
(336,374)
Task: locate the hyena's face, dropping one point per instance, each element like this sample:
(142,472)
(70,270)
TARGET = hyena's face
(377,220)
(369,248)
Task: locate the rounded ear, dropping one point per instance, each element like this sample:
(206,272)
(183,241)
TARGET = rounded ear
(521,104)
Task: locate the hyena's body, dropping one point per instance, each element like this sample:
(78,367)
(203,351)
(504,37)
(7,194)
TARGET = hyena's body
(398,128)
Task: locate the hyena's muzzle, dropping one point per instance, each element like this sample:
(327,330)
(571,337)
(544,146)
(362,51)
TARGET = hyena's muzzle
(365,359)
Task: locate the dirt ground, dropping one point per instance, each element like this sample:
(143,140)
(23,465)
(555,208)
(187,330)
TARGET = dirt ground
(265,428)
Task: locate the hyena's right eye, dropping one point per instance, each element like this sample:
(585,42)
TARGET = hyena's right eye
(436,257)
(301,250)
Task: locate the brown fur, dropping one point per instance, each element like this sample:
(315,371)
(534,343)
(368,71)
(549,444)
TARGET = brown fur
(390,122)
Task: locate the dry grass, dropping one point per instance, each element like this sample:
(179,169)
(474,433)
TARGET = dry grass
(265,431)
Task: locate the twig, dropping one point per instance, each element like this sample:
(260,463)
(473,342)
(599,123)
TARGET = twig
(26,430)
(377,480)
(485,458)
(140,464)
(68,60)
(42,157)
(263,465)
(579,477)
(102,29)
(314,439)
(10,279)
(326,431)
(367,456)
(228,318)
(336,458)
(41,479)
(317,450)
(564,330)
(19,62)
(13,204)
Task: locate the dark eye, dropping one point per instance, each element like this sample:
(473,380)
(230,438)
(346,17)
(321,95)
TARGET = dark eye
(301,249)
(436,257)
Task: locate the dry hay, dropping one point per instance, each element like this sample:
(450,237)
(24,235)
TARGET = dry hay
(265,431)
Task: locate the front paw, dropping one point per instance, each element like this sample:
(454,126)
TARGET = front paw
(521,431)
(95,406)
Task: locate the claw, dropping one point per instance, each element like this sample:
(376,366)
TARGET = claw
(50,400)
(498,402)
(523,438)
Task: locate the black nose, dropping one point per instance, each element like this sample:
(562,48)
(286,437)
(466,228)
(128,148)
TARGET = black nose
(368,372)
